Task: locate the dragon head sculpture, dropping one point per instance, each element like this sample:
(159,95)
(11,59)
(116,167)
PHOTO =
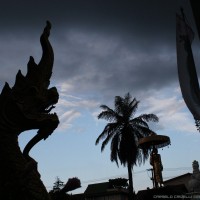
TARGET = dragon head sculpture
(27,105)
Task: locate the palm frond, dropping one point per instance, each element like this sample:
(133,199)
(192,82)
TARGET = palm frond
(127,98)
(105,108)
(149,117)
(143,155)
(125,107)
(137,121)
(141,131)
(119,104)
(109,129)
(108,138)
(114,147)
(133,105)
(107,114)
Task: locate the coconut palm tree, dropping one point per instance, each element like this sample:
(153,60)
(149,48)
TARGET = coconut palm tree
(124,130)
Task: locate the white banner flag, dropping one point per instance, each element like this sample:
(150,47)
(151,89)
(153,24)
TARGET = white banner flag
(186,67)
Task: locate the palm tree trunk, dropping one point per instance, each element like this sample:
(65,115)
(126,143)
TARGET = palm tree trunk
(130,177)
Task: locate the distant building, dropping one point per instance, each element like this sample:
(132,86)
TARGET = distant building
(174,187)
(77,197)
(109,190)
(167,192)
(104,191)
(179,180)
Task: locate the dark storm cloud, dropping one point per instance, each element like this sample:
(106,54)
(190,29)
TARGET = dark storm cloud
(102,45)
(133,16)
(114,15)
(111,63)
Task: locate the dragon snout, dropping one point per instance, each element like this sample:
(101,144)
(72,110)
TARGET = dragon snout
(53,95)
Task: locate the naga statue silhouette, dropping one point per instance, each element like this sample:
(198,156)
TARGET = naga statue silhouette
(26,106)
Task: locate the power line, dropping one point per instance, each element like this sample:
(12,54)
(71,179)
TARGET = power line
(177,168)
(105,178)
(112,177)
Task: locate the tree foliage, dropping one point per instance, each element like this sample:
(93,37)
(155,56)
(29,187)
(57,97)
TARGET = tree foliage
(124,130)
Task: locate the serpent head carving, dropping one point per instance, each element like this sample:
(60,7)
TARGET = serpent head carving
(27,105)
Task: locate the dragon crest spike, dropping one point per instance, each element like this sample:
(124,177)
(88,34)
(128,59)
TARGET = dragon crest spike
(6,89)
(46,63)
(20,79)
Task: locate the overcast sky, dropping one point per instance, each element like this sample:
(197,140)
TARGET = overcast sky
(102,48)
(118,45)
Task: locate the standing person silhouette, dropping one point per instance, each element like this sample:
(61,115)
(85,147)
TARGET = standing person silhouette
(155,161)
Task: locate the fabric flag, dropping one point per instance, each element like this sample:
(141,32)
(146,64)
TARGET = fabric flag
(186,68)
(195,10)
